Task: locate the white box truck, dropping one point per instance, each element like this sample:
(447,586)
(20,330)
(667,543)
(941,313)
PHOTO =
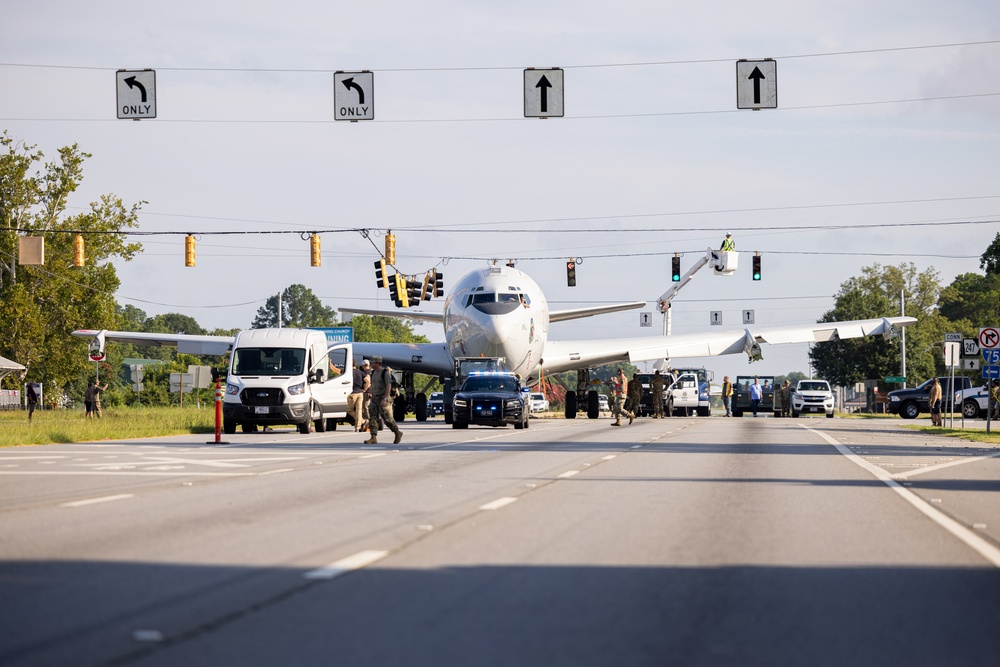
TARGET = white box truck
(286,376)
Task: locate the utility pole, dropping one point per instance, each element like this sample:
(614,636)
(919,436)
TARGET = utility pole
(902,338)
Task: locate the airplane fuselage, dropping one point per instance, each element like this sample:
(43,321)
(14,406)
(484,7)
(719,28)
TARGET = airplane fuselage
(498,311)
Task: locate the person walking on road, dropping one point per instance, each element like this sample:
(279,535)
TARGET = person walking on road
(786,399)
(381,404)
(727,395)
(357,397)
(756,393)
(634,397)
(934,400)
(619,386)
(657,385)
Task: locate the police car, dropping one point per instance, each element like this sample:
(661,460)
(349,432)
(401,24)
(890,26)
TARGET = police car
(491,398)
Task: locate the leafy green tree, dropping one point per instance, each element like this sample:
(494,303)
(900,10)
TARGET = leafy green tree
(381,329)
(299,308)
(173,323)
(876,294)
(44,304)
(972,300)
(990,260)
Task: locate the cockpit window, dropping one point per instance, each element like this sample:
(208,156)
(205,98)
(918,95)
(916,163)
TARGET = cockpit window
(484,297)
(508,297)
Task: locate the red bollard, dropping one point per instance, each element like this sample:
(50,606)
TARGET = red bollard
(218,415)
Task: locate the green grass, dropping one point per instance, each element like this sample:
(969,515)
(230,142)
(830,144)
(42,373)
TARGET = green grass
(975,435)
(64,426)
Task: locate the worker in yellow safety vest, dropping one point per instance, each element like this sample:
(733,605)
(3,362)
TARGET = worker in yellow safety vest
(728,244)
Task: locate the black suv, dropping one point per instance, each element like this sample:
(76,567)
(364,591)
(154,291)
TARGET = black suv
(908,403)
(491,399)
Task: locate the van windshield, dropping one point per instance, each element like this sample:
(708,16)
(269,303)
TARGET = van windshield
(268,361)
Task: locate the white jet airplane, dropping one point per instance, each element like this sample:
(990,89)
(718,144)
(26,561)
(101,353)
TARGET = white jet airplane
(500,312)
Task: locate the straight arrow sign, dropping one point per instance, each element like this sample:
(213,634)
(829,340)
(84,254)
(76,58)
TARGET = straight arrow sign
(757,84)
(543,93)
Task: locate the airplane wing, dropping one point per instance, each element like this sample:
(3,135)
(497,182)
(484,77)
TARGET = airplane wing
(563,356)
(429,358)
(185,343)
(437,318)
(576,313)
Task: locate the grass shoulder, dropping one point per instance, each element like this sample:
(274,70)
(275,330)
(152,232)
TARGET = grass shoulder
(66,426)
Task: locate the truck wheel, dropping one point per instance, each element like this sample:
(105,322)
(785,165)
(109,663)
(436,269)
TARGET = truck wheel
(909,410)
(970,409)
(704,412)
(331,424)
(303,428)
(249,428)
(795,414)
(459,425)
(829,415)
(317,418)
(228,426)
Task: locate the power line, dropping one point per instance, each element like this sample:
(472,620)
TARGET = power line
(275,70)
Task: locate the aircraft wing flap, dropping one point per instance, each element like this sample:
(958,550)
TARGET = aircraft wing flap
(397,314)
(428,358)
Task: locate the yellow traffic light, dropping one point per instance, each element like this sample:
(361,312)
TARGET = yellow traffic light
(78,258)
(189,244)
(402,288)
(315,256)
(390,248)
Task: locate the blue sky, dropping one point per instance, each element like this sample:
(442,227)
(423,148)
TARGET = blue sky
(651,140)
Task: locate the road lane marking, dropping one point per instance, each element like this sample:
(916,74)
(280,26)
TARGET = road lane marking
(94,501)
(911,473)
(498,503)
(345,565)
(569,473)
(973,541)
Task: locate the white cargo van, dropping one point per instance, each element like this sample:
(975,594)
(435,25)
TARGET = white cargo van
(286,376)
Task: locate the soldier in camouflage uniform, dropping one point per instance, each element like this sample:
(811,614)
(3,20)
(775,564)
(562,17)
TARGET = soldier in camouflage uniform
(786,399)
(656,386)
(619,386)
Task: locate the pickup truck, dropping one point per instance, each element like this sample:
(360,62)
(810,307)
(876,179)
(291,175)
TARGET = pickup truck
(812,396)
(974,401)
(909,403)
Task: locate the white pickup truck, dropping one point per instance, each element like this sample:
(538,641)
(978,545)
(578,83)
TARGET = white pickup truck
(974,401)
(812,396)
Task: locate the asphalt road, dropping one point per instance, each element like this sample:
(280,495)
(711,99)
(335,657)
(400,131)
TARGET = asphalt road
(669,542)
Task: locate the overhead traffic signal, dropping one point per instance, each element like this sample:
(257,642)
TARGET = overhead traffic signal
(78,259)
(756,267)
(438,280)
(413,291)
(380,273)
(397,291)
(427,289)
(390,248)
(189,245)
(675,269)
(571,273)
(315,255)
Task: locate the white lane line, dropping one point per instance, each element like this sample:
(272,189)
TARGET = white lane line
(912,473)
(94,501)
(372,456)
(609,457)
(498,503)
(95,473)
(275,472)
(345,565)
(569,473)
(973,541)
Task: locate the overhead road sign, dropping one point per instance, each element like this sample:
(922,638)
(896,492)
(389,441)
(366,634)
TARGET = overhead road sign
(757,84)
(543,93)
(353,96)
(136,93)
(989,338)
